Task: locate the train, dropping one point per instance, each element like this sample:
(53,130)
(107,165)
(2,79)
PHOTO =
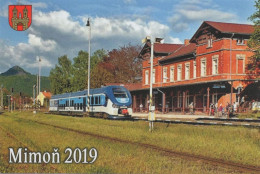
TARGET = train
(113,102)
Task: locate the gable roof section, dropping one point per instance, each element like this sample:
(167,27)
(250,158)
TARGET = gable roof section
(47,94)
(166,48)
(228,28)
(182,51)
(161,48)
(231,27)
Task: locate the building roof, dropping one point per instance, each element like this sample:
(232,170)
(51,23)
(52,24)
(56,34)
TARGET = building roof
(182,51)
(47,94)
(161,47)
(232,27)
(129,86)
(228,28)
(166,48)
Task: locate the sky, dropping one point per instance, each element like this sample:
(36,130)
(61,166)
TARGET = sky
(59,26)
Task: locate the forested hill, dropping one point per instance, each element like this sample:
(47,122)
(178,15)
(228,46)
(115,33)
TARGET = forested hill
(22,81)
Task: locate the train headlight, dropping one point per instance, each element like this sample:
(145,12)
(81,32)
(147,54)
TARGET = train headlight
(115,106)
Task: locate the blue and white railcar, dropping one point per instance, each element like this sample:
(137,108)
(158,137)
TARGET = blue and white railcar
(109,101)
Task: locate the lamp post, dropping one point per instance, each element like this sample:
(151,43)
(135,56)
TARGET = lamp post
(151,116)
(39,76)
(89,38)
(34,98)
(2,98)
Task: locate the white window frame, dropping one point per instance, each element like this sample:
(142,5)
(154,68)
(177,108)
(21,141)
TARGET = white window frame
(215,64)
(187,71)
(194,69)
(203,72)
(172,74)
(240,41)
(240,57)
(154,75)
(165,74)
(146,77)
(209,41)
(179,73)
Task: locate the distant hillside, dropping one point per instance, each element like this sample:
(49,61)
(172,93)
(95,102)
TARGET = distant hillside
(16,70)
(22,81)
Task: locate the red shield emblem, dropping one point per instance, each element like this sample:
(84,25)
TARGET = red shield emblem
(20,17)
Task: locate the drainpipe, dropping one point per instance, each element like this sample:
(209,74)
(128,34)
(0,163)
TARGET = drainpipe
(231,83)
(163,99)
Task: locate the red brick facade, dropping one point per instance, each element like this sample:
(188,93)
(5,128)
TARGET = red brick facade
(199,70)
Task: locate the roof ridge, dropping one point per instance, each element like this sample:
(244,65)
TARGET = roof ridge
(228,23)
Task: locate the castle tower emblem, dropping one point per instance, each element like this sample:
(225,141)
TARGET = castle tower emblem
(20,17)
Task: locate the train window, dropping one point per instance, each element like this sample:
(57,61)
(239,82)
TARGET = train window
(92,100)
(119,93)
(98,100)
(77,106)
(74,106)
(80,106)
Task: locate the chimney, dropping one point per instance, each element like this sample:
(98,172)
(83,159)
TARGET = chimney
(158,40)
(186,42)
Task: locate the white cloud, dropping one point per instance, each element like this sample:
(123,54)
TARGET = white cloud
(193,11)
(57,33)
(44,45)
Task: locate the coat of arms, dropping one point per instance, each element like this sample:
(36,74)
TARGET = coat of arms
(20,17)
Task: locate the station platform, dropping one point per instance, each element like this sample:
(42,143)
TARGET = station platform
(172,115)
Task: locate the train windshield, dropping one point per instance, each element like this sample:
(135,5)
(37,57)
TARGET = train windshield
(120,95)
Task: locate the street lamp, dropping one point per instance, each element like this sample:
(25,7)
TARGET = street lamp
(151,116)
(89,38)
(39,76)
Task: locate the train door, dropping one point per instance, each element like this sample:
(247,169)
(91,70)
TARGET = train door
(84,104)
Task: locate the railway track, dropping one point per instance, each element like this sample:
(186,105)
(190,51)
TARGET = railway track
(12,136)
(250,123)
(167,152)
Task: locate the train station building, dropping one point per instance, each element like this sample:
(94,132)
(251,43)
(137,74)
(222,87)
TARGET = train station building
(208,68)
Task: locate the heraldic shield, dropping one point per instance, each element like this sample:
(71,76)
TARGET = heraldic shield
(20,17)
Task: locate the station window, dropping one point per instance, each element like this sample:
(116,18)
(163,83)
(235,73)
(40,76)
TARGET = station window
(165,75)
(215,65)
(146,77)
(203,67)
(187,71)
(179,72)
(172,74)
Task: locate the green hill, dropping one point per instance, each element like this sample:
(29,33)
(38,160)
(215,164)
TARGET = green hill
(22,81)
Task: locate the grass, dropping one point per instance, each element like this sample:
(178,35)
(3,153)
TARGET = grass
(251,114)
(235,144)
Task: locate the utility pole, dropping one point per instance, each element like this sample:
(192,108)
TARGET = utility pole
(20,101)
(39,75)
(34,98)
(2,98)
(8,98)
(151,116)
(12,90)
(89,38)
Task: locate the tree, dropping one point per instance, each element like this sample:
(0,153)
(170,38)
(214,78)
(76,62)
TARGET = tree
(68,77)
(254,43)
(100,76)
(123,64)
(61,76)
(80,66)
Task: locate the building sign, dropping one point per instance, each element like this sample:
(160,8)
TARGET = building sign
(20,17)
